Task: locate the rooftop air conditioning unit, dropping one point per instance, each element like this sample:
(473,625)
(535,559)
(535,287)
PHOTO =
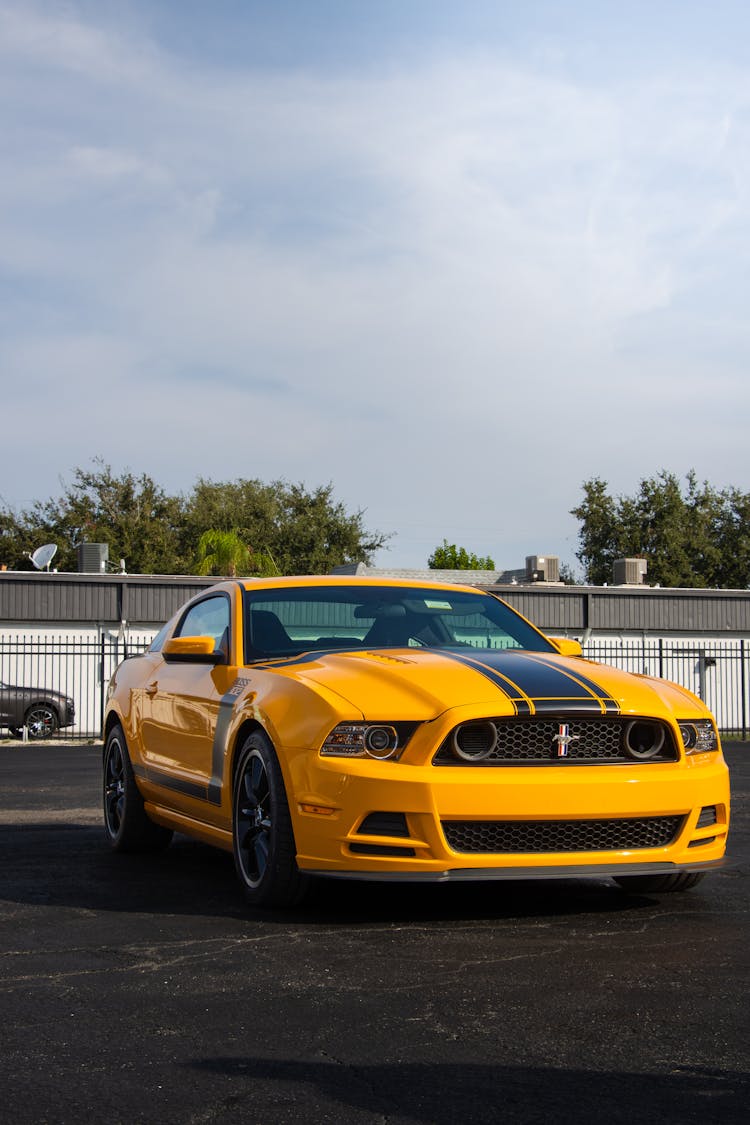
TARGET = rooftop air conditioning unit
(93,558)
(542,568)
(629,572)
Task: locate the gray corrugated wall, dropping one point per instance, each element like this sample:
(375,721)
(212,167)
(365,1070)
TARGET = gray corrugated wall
(617,610)
(69,599)
(561,609)
(72,599)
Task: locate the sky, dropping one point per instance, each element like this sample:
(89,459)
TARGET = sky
(454,257)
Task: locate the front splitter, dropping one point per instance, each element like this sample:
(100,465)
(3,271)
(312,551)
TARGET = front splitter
(485,874)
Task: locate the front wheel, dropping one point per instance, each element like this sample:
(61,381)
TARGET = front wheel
(41,721)
(263,838)
(126,822)
(658,884)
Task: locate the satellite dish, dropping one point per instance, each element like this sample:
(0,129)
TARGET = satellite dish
(43,556)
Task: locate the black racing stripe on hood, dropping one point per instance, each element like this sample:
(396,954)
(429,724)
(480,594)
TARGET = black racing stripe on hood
(520,701)
(522,677)
(550,686)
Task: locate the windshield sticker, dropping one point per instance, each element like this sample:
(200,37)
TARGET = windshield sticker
(438,605)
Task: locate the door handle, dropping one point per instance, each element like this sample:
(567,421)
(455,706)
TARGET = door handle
(151,689)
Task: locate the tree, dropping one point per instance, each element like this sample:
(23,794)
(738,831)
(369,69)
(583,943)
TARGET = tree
(598,535)
(222,553)
(567,575)
(696,537)
(132,515)
(451,557)
(16,541)
(294,530)
(285,528)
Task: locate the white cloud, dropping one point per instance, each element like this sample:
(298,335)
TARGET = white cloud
(103,163)
(55,39)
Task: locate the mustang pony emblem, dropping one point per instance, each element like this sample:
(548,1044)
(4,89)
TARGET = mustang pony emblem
(563,738)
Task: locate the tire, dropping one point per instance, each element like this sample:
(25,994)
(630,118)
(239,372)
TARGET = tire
(41,721)
(126,823)
(263,838)
(659,884)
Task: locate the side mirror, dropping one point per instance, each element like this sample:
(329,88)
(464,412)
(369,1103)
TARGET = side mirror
(192,650)
(566,646)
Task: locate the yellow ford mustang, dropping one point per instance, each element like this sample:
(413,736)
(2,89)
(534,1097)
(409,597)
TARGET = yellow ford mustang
(378,729)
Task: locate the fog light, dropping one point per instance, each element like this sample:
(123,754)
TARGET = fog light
(643,740)
(473,742)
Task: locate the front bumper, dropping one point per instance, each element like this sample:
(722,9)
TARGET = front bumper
(330,801)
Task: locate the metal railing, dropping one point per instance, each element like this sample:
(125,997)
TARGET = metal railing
(716,671)
(80,667)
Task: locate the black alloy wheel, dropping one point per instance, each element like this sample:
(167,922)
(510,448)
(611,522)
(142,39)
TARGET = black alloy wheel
(264,848)
(126,822)
(41,721)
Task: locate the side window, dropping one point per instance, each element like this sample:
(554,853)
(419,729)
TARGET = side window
(158,641)
(209,618)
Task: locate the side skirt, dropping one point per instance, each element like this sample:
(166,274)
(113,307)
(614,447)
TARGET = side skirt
(179,822)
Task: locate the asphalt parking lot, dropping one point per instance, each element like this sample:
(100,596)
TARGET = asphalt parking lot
(142,990)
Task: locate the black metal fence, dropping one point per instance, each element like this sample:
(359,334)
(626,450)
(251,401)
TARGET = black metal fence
(717,672)
(80,667)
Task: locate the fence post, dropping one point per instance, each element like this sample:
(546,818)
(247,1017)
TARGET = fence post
(101,685)
(702,674)
(743,693)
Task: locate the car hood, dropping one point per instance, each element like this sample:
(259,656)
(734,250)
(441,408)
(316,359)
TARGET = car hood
(40,692)
(422,683)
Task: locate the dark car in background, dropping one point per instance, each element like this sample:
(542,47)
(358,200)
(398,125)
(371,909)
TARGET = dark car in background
(38,709)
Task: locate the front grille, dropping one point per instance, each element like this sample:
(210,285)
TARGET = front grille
(503,836)
(540,740)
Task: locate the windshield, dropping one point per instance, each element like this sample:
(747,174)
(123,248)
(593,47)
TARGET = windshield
(290,621)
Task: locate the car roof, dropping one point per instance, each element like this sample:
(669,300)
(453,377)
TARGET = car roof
(313,580)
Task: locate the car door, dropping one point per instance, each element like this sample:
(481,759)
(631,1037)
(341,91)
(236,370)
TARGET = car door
(180,707)
(11,706)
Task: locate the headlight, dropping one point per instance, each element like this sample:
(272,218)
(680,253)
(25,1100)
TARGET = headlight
(363,740)
(698,736)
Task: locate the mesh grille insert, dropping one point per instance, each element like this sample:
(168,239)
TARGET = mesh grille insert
(513,836)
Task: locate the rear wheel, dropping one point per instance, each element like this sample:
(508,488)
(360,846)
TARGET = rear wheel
(657,884)
(126,823)
(264,848)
